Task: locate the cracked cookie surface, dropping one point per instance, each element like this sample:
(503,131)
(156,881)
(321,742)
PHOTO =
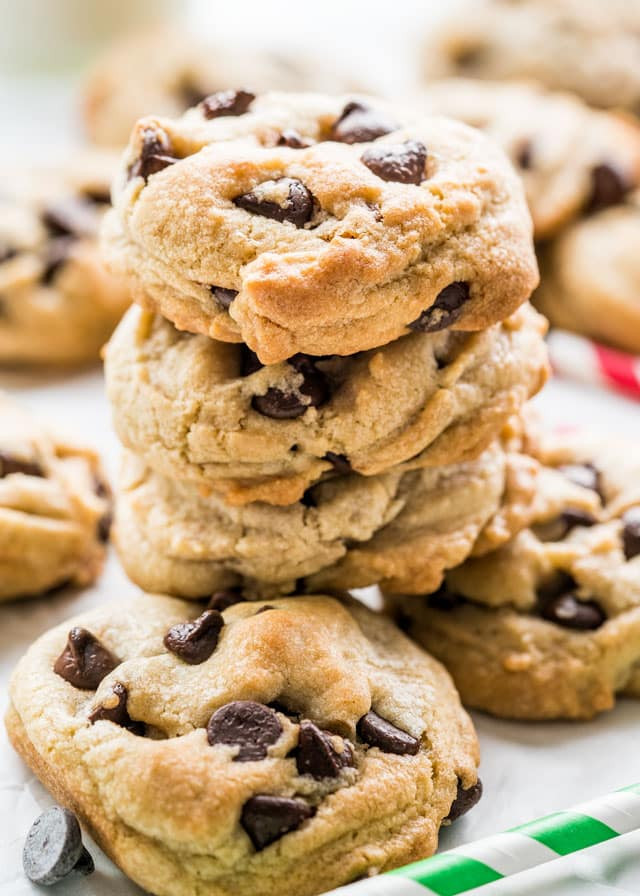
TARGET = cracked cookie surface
(323,225)
(296,745)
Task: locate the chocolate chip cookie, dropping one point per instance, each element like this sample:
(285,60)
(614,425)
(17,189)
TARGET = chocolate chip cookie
(54,509)
(401,528)
(209,411)
(591,277)
(322,225)
(58,304)
(284,747)
(548,626)
(573,160)
(587,47)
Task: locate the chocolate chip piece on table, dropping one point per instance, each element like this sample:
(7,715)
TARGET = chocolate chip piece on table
(194,641)
(399,162)
(465,800)
(222,600)
(631,533)
(283,200)
(223,297)
(359,123)
(378,732)
(114,709)
(266,818)
(250,726)
(339,462)
(317,755)
(9,464)
(53,848)
(445,311)
(71,217)
(155,155)
(608,187)
(312,392)
(84,662)
(226,102)
(569,612)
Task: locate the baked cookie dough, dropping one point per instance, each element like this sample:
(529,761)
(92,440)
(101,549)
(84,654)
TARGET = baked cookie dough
(317,224)
(591,277)
(400,529)
(548,626)
(58,304)
(284,747)
(54,509)
(208,411)
(587,47)
(164,71)
(573,160)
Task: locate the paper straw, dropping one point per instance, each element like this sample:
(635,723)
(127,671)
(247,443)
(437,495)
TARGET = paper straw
(493,858)
(582,359)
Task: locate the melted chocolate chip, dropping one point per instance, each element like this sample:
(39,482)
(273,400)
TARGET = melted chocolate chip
(84,662)
(266,818)
(312,392)
(250,726)
(465,800)
(317,755)
(227,102)
(584,475)
(359,123)
(294,140)
(445,311)
(71,217)
(631,533)
(10,464)
(402,162)
(155,155)
(222,600)
(569,612)
(194,641)
(339,462)
(608,187)
(224,297)
(57,252)
(114,709)
(444,600)
(378,732)
(295,208)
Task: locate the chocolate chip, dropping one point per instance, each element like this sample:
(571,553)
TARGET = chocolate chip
(608,187)
(227,102)
(7,253)
(9,464)
(339,462)
(194,641)
(114,709)
(251,363)
(317,755)
(223,297)
(222,600)
(97,196)
(296,207)
(569,612)
(266,818)
(584,475)
(250,726)
(400,162)
(265,609)
(524,155)
(465,800)
(57,252)
(191,95)
(312,392)
(445,311)
(559,528)
(444,600)
(71,217)
(294,140)
(359,123)
(377,732)
(104,527)
(155,155)
(469,56)
(631,533)
(53,848)
(84,662)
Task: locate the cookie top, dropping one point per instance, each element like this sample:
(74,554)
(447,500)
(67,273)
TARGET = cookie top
(591,277)
(315,224)
(299,744)
(58,304)
(402,529)
(209,411)
(584,46)
(548,626)
(573,160)
(164,71)
(54,508)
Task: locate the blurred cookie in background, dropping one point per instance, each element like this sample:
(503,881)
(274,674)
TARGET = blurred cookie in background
(58,304)
(589,47)
(164,71)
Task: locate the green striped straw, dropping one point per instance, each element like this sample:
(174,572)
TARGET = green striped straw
(527,846)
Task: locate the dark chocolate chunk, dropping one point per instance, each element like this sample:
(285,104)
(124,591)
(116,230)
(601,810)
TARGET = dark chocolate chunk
(317,755)
(524,155)
(114,709)
(608,187)
(53,848)
(631,533)
(402,163)
(71,217)
(312,392)
(445,311)
(84,662)
(296,207)
(378,732)
(222,600)
(339,462)
(7,252)
(9,464)
(194,641)
(251,726)
(56,253)
(359,123)
(155,155)
(104,527)
(465,800)
(224,297)
(227,102)
(559,528)
(266,818)
(294,140)
(584,475)
(569,612)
